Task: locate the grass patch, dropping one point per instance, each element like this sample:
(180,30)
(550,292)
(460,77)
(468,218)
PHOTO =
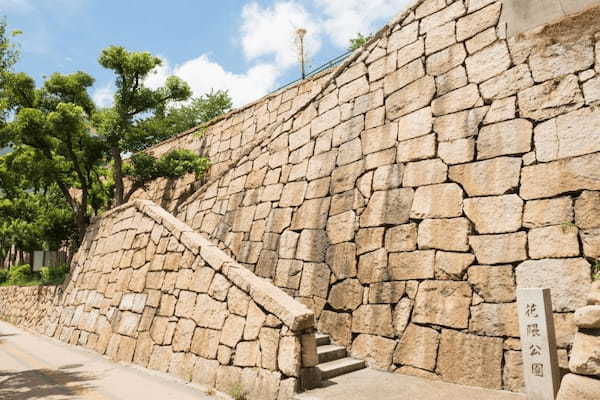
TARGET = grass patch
(23,275)
(237,393)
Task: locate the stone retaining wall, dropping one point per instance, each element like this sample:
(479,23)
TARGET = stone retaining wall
(146,289)
(406,195)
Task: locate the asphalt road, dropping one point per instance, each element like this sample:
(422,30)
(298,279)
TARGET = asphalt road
(37,367)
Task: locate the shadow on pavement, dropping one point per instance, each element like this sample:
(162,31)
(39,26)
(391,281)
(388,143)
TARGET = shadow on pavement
(42,384)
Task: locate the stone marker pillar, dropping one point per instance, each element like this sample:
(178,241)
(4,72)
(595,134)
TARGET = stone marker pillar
(538,344)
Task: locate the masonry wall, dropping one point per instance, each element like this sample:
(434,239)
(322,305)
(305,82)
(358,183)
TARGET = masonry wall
(409,192)
(146,289)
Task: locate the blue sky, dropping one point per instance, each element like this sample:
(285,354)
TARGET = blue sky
(244,46)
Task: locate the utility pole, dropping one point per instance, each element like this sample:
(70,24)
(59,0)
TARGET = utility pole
(300,40)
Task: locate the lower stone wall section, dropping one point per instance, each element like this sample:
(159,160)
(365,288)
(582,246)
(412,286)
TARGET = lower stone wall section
(146,289)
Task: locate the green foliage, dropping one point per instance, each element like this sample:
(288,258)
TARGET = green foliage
(143,168)
(19,275)
(359,41)
(3,275)
(596,271)
(54,275)
(168,122)
(567,227)
(237,393)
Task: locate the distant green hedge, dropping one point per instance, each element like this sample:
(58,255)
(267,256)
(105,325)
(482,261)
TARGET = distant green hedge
(23,275)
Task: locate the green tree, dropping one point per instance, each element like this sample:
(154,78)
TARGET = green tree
(359,41)
(170,121)
(133,101)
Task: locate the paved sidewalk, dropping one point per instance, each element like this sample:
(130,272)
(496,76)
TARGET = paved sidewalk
(35,367)
(368,384)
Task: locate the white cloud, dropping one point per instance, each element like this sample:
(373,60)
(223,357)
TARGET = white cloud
(103,96)
(271,31)
(204,75)
(344,19)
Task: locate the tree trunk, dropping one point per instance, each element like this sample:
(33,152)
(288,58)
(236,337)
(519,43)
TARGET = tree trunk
(117,175)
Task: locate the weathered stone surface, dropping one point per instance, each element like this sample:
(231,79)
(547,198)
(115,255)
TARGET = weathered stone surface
(388,207)
(402,37)
(550,179)
(569,135)
(585,356)
(312,245)
(293,194)
(418,347)
(476,22)
(553,242)
(341,227)
(416,149)
(504,138)
(452,266)
(342,260)
(444,234)
(410,98)
(459,125)
(321,165)
(457,100)
(490,177)
(443,303)
(551,98)
(566,278)
(576,387)
(591,91)
(412,265)
(347,295)
(426,172)
(561,58)
(587,210)
(494,284)
(374,319)
(593,297)
(441,37)
(443,61)
(497,214)
(512,375)
(488,62)
(336,325)
(499,249)
(437,201)
(400,238)
(289,359)
(457,151)
(388,177)
(455,10)
(501,110)
(508,83)
(403,76)
(380,138)
(386,292)
(470,360)
(205,343)
(315,280)
(495,320)
(373,267)
(588,317)
(540,213)
(247,354)
(375,350)
(416,124)
(453,79)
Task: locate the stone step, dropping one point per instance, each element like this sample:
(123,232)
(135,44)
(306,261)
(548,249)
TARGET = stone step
(335,368)
(330,352)
(322,339)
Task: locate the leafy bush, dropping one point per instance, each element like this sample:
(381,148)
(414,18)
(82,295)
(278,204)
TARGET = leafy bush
(3,275)
(596,271)
(19,275)
(54,275)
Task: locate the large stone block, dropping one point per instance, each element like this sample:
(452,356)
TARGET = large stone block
(457,100)
(561,58)
(418,347)
(588,317)
(490,177)
(373,267)
(495,320)
(386,292)
(508,83)
(566,278)
(410,98)
(443,303)
(379,138)
(498,214)
(504,138)
(553,178)
(459,125)
(315,280)
(412,265)
(452,266)
(416,124)
(437,201)
(374,319)
(470,25)
(494,284)
(551,98)
(553,242)
(400,238)
(587,210)
(585,356)
(347,295)
(488,62)
(470,360)
(499,249)
(341,227)
(375,350)
(445,60)
(444,234)
(312,245)
(403,76)
(540,213)
(568,135)
(388,207)
(576,387)
(336,325)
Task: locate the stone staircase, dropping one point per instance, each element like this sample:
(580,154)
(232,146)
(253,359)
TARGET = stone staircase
(333,360)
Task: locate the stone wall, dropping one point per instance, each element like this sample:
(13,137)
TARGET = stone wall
(406,194)
(146,289)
